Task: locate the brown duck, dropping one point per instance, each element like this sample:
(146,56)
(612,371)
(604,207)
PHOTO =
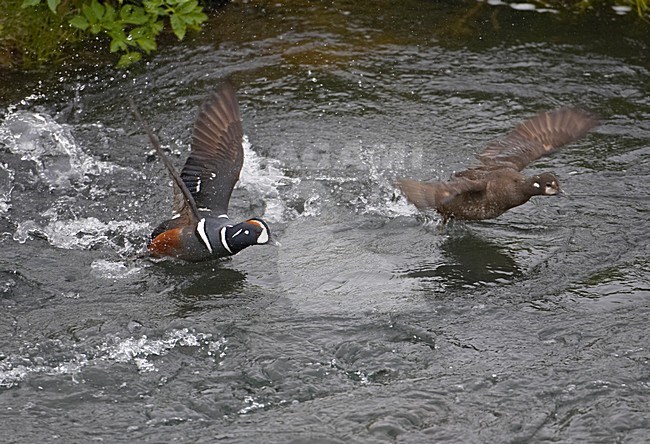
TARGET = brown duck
(495,184)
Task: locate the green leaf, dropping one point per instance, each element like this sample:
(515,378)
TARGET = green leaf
(154,7)
(109,15)
(178,26)
(89,13)
(156,27)
(153,3)
(133,15)
(118,45)
(79,22)
(126,11)
(117,35)
(128,59)
(147,44)
(97,8)
(53,4)
(186,7)
(195,18)
(28,3)
(138,32)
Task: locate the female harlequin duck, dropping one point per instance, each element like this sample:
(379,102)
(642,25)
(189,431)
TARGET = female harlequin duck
(495,185)
(199,228)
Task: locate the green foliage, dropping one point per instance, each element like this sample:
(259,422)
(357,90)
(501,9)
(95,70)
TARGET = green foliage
(33,32)
(31,36)
(134,27)
(52,4)
(130,27)
(642,6)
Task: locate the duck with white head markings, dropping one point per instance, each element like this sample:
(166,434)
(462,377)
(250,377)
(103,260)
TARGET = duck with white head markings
(204,186)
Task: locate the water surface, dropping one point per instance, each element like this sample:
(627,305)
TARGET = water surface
(368,324)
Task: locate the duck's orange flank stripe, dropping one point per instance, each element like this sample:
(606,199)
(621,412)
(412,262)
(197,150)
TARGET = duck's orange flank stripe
(167,243)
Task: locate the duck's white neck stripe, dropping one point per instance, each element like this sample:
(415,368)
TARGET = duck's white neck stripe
(264,236)
(222,235)
(200,228)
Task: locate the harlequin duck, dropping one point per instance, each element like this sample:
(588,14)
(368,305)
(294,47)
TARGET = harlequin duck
(495,184)
(200,228)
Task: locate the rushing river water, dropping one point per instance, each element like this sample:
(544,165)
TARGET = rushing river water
(368,323)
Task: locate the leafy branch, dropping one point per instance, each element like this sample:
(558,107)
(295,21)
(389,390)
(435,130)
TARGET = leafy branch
(132,28)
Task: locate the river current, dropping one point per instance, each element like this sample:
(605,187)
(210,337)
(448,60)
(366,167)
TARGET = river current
(369,323)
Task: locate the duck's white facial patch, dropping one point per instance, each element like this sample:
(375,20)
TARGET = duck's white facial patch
(224,243)
(551,189)
(200,228)
(536,184)
(239,232)
(264,236)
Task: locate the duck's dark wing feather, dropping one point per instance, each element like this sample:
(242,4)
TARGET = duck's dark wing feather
(540,136)
(217,155)
(433,194)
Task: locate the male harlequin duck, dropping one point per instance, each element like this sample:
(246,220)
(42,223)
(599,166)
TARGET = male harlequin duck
(495,185)
(200,228)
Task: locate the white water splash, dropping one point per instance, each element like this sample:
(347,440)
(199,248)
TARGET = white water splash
(384,199)
(113,269)
(521,6)
(312,206)
(139,351)
(391,207)
(60,163)
(264,177)
(252,405)
(58,159)
(6,187)
(84,233)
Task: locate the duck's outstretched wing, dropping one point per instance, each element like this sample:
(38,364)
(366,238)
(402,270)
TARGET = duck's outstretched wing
(539,136)
(217,155)
(433,194)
